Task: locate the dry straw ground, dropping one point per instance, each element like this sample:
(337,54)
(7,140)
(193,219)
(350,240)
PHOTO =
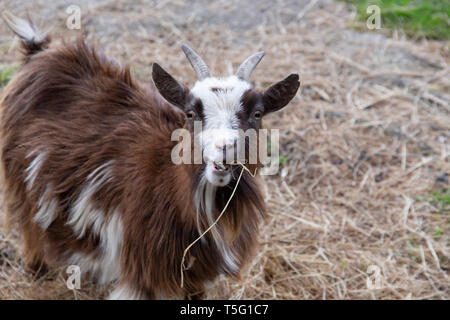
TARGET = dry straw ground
(365,138)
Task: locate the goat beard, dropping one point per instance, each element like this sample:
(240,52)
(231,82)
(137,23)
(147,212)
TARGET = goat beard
(205,204)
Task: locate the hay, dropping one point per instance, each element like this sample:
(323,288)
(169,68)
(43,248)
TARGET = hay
(368,134)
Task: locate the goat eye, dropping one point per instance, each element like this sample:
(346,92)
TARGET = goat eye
(257,115)
(190,115)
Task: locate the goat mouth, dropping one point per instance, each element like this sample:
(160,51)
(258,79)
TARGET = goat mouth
(218,173)
(221,168)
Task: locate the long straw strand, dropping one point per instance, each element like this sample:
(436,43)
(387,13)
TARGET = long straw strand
(215,222)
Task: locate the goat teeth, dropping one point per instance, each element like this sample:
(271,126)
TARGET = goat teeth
(219,166)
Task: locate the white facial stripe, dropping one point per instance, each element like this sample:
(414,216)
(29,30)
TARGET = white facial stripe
(221,99)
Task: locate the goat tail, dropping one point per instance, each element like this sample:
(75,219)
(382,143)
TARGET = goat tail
(32,40)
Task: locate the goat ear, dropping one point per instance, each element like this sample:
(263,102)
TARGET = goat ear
(168,87)
(279,94)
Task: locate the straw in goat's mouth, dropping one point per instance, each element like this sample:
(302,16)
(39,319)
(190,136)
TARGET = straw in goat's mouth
(220,166)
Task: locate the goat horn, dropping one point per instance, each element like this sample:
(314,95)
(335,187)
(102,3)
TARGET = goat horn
(200,67)
(246,68)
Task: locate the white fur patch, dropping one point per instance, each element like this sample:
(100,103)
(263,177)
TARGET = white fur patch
(106,267)
(23,28)
(85,214)
(47,210)
(47,207)
(32,170)
(125,292)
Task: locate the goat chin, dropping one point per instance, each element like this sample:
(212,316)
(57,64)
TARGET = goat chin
(88,179)
(215,177)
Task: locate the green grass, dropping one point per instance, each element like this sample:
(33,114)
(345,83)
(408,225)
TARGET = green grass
(443,199)
(438,232)
(429,18)
(440,198)
(6,73)
(282,160)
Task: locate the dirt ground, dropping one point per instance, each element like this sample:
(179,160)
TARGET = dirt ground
(363,144)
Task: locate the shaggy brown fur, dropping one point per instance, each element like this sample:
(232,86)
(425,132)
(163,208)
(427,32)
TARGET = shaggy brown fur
(80,110)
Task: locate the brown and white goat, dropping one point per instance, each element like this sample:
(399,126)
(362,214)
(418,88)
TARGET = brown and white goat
(89,181)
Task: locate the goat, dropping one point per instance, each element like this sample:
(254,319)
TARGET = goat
(88,176)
